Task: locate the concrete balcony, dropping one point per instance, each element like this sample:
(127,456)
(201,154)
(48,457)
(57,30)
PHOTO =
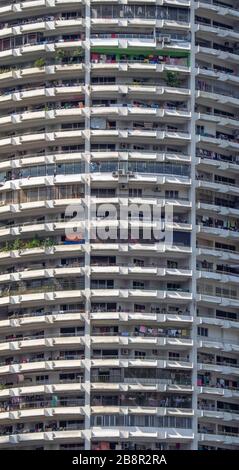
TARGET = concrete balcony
(42,366)
(211,299)
(225,97)
(133,155)
(205,53)
(41,229)
(210,31)
(106,40)
(225,324)
(216,276)
(30,343)
(133,40)
(213,164)
(50,296)
(100,224)
(221,369)
(209,207)
(150,200)
(40,251)
(221,142)
(141,410)
(215,232)
(142,66)
(166,136)
(40,117)
(17,322)
(37,437)
(142,271)
(141,177)
(141,90)
(141,294)
(42,273)
(141,113)
(9,77)
(217,75)
(140,246)
(135,317)
(217,438)
(219,344)
(50,158)
(10,54)
(151,434)
(140,23)
(58,26)
(216,392)
(141,362)
(39,5)
(21,182)
(218,253)
(216,8)
(140,385)
(32,94)
(11,143)
(42,410)
(49,388)
(137,341)
(230,124)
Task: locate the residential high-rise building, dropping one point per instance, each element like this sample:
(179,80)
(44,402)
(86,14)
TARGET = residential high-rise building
(125,342)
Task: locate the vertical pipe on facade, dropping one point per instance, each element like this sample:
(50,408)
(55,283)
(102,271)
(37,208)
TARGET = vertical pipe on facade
(193,308)
(87,231)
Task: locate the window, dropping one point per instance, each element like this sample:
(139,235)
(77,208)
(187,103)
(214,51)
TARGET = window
(202,331)
(135,192)
(138,285)
(173,286)
(228,315)
(42,378)
(172,264)
(171,194)
(102,284)
(173,355)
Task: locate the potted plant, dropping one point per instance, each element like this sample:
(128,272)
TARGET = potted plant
(16,244)
(40,62)
(172,79)
(60,54)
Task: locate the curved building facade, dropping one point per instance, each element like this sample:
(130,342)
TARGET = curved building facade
(125,342)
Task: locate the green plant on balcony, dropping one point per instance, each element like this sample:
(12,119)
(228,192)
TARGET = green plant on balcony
(39,62)
(172,79)
(17,244)
(49,242)
(34,243)
(59,55)
(5,70)
(75,54)
(6,247)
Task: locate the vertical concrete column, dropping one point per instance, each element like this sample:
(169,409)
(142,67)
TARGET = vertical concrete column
(87,230)
(193,307)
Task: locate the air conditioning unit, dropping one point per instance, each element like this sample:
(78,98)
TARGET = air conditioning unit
(166,39)
(125,352)
(123,186)
(123,146)
(121,172)
(115,173)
